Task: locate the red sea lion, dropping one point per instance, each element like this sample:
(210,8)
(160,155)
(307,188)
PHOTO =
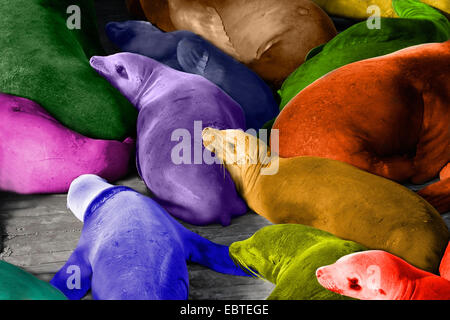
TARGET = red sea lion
(444,268)
(438,193)
(379,275)
(387,115)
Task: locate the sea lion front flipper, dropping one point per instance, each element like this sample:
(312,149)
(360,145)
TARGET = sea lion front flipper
(194,57)
(314,51)
(74,278)
(211,255)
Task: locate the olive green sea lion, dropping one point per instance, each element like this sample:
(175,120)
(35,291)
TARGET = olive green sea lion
(332,196)
(288,255)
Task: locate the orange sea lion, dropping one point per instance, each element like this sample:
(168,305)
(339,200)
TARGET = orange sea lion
(388,115)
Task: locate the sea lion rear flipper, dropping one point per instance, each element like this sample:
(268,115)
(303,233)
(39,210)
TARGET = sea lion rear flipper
(211,255)
(444,268)
(415,9)
(74,278)
(438,195)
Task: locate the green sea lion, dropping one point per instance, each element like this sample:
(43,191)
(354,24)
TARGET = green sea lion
(288,255)
(45,61)
(17,284)
(332,196)
(418,23)
(359,9)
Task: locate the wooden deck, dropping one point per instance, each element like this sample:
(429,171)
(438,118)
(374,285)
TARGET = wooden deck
(39,232)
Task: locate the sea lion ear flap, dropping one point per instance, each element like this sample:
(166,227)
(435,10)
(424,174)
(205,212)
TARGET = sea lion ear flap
(74,278)
(314,51)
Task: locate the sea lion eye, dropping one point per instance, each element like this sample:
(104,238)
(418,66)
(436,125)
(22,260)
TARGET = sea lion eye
(231,146)
(121,71)
(353,284)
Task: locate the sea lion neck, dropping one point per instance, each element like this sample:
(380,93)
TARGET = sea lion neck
(252,172)
(83,192)
(250,175)
(154,79)
(406,290)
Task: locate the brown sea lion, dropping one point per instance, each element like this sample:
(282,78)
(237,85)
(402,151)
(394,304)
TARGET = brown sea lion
(272,37)
(388,115)
(332,196)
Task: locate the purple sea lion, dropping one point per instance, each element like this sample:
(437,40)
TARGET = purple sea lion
(40,155)
(171,105)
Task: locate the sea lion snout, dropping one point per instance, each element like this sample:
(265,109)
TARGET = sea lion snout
(98,63)
(208,136)
(118,32)
(83,190)
(323,277)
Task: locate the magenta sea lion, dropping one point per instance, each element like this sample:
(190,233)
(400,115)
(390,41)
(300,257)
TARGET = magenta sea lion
(175,106)
(40,155)
(131,248)
(379,275)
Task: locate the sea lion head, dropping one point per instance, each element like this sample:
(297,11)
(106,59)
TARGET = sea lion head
(83,190)
(124,33)
(127,72)
(233,147)
(239,151)
(143,38)
(368,275)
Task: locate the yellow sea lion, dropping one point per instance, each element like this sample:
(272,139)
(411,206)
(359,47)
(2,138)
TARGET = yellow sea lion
(358,9)
(332,196)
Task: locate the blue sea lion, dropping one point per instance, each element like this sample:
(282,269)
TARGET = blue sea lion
(175,106)
(131,248)
(188,52)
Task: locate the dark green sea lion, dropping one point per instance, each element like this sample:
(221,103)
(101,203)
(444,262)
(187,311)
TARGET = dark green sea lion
(45,61)
(17,284)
